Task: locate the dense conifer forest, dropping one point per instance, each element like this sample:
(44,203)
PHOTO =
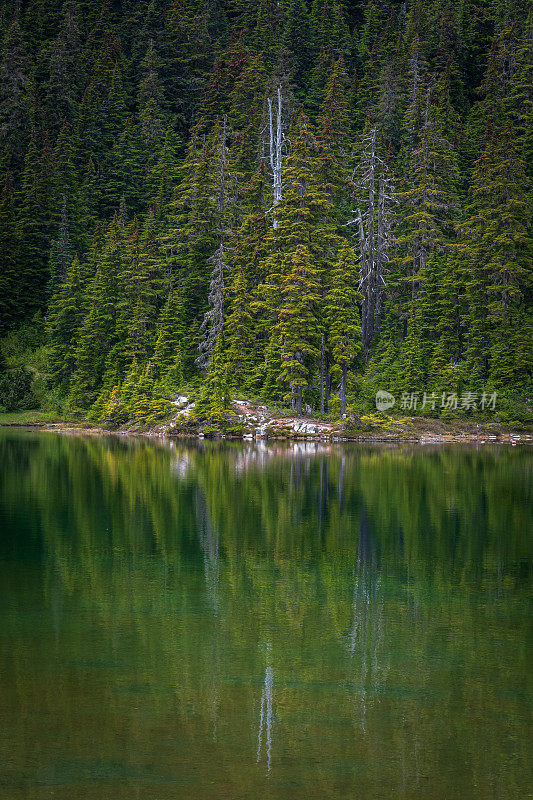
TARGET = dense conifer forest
(300,201)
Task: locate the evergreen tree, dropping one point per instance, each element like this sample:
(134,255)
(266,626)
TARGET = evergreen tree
(268,373)
(61,255)
(429,201)
(246,106)
(63,172)
(128,389)
(16,91)
(89,358)
(143,280)
(496,259)
(411,371)
(335,118)
(115,411)
(150,101)
(125,171)
(342,317)
(37,227)
(141,405)
(115,107)
(63,89)
(172,380)
(213,321)
(171,331)
(440,313)
(154,207)
(190,55)
(239,328)
(305,215)
(189,238)
(215,394)
(97,333)
(165,173)
(9,243)
(298,325)
(296,38)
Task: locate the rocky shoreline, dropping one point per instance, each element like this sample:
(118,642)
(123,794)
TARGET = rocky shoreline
(257,423)
(422,439)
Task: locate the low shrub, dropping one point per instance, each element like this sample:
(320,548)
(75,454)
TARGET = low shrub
(16,390)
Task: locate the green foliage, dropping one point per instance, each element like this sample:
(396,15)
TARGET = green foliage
(170,334)
(411,372)
(16,392)
(173,378)
(342,317)
(115,411)
(9,244)
(298,325)
(214,396)
(117,198)
(239,328)
(15,94)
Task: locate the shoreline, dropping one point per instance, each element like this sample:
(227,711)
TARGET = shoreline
(422,437)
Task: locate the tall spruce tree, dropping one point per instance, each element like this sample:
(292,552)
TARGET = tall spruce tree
(298,325)
(16,90)
(342,318)
(9,244)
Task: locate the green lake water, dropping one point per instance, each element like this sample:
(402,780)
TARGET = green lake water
(220,622)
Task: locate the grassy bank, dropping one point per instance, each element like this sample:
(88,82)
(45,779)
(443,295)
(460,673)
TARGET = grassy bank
(34,417)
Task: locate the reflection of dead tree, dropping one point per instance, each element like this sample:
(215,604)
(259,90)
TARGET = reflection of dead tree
(322,492)
(296,473)
(340,484)
(209,544)
(210,548)
(366,637)
(265,713)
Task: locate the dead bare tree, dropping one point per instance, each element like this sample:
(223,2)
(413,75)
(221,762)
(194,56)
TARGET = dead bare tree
(213,321)
(277,148)
(372,183)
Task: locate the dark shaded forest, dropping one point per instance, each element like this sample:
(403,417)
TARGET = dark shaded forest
(302,202)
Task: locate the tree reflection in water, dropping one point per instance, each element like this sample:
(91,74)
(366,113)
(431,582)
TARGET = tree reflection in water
(265,714)
(381,593)
(366,637)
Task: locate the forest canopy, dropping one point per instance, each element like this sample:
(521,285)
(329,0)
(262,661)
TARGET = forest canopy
(301,201)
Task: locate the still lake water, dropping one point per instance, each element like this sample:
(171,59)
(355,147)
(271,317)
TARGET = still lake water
(226,622)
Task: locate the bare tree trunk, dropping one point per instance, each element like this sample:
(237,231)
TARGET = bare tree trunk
(213,321)
(278,190)
(320,492)
(373,243)
(383,242)
(370,294)
(276,142)
(322,377)
(363,275)
(342,388)
(340,484)
(299,401)
(328,385)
